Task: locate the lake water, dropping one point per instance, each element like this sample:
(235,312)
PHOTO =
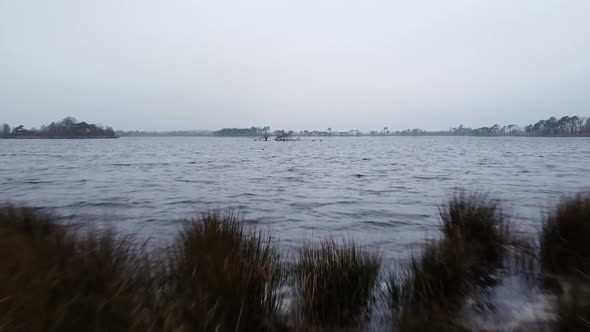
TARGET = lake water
(381,191)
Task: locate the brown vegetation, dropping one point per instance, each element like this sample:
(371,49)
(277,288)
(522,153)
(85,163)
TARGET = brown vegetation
(335,284)
(218,276)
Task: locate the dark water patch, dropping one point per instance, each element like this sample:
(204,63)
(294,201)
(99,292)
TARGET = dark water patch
(306,205)
(294,179)
(244,195)
(183,202)
(379,224)
(36,182)
(200,181)
(436,178)
(105,205)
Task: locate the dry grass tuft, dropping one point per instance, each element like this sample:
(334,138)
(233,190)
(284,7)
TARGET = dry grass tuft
(54,280)
(218,277)
(564,240)
(429,292)
(477,222)
(335,284)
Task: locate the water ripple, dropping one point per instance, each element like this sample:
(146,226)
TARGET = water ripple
(383,191)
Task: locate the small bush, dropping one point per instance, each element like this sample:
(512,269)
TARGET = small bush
(218,277)
(335,284)
(564,244)
(53,280)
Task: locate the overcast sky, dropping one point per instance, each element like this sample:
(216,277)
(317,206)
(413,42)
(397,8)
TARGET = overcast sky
(299,64)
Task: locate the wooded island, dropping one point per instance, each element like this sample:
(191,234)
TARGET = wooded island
(66,128)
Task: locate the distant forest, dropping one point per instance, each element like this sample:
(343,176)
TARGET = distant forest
(66,128)
(70,128)
(175,133)
(253,131)
(565,126)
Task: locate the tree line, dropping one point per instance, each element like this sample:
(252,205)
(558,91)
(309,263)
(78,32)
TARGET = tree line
(66,128)
(252,131)
(71,128)
(174,133)
(566,126)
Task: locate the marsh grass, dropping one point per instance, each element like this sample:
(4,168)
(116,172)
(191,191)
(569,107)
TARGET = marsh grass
(428,292)
(564,243)
(335,284)
(573,306)
(55,279)
(218,277)
(479,223)
(215,277)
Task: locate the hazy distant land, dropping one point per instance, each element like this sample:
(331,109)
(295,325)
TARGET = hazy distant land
(70,128)
(564,127)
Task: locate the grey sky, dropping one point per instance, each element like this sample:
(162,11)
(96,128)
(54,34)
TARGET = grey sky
(179,64)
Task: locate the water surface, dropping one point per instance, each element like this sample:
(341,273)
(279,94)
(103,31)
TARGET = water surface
(381,191)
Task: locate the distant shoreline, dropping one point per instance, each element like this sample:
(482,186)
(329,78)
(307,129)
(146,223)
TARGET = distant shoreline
(295,137)
(351,136)
(47,137)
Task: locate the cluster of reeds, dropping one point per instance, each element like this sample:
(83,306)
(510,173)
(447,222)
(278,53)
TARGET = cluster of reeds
(565,258)
(216,276)
(219,276)
(335,284)
(564,245)
(56,279)
(429,291)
